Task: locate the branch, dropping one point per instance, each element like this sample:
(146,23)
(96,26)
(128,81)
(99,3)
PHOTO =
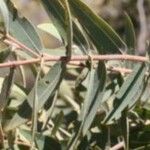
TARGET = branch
(48,58)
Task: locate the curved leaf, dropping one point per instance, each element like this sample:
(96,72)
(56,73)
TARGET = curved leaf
(128,94)
(94,96)
(45,89)
(103,36)
(22,29)
(57,13)
(130,34)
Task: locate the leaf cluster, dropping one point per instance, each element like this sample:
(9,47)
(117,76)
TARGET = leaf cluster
(88,106)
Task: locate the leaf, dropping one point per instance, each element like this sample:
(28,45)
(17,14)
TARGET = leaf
(69,30)
(16,94)
(6,89)
(43,142)
(102,35)
(128,94)
(94,95)
(145,97)
(45,89)
(130,34)
(22,29)
(58,120)
(50,28)
(5,14)
(56,12)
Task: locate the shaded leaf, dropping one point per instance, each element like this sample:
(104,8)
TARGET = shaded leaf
(45,89)
(128,94)
(98,30)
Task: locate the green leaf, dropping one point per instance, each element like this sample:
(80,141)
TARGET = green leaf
(56,12)
(16,94)
(58,120)
(128,94)
(94,95)
(43,142)
(69,30)
(129,34)
(5,14)
(23,30)
(6,88)
(102,35)
(45,89)
(145,98)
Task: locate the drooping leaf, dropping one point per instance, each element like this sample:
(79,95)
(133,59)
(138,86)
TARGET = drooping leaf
(94,95)
(103,36)
(93,99)
(6,88)
(128,94)
(145,98)
(57,13)
(69,29)
(45,89)
(129,34)
(23,30)
(4,12)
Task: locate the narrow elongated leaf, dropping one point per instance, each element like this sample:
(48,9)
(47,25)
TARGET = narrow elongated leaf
(6,88)
(57,13)
(103,36)
(22,29)
(68,20)
(95,95)
(130,34)
(45,89)
(16,93)
(128,93)
(4,12)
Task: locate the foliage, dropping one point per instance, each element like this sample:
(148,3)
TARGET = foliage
(88,105)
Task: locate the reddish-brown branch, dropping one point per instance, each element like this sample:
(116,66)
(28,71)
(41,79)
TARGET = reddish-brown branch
(75,58)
